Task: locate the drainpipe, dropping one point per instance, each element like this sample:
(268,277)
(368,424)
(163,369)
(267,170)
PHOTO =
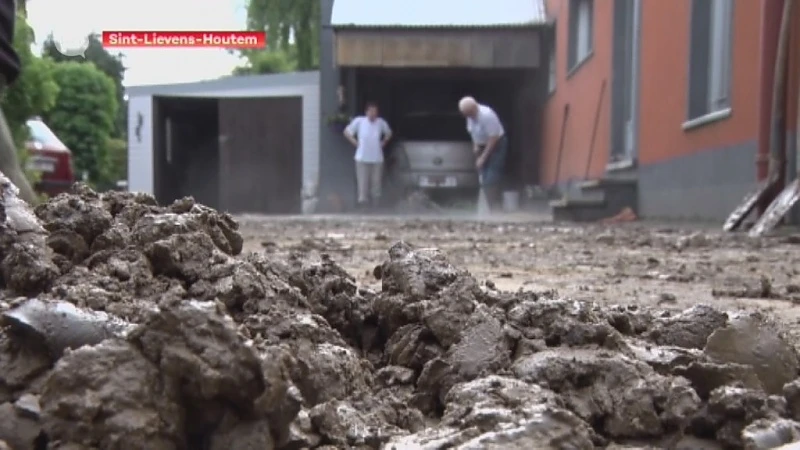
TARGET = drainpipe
(770,31)
(777,138)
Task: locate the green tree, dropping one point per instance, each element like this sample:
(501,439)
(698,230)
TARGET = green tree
(33,93)
(83,117)
(292,28)
(271,61)
(118,161)
(111,64)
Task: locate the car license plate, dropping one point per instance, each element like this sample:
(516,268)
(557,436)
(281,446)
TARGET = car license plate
(438,182)
(42,164)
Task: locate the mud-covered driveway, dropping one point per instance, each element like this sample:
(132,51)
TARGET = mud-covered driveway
(632,264)
(128,325)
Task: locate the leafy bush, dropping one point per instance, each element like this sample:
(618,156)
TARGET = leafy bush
(118,160)
(265,61)
(84,117)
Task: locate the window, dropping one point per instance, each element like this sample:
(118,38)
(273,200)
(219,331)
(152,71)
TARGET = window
(581,28)
(551,77)
(710,58)
(417,126)
(42,134)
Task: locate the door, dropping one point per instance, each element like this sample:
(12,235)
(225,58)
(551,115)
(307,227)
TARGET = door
(627,43)
(261,155)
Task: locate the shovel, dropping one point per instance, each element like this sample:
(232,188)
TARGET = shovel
(61,325)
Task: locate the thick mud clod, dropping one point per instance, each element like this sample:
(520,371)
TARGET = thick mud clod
(129,325)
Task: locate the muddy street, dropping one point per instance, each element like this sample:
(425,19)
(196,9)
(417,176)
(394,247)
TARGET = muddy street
(656,265)
(132,325)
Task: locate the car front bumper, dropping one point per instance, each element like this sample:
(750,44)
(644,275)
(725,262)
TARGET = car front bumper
(53,187)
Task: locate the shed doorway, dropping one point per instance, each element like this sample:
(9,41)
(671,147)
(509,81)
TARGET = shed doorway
(240,155)
(185,150)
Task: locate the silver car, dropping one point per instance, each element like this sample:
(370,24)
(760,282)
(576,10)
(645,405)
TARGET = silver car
(432,152)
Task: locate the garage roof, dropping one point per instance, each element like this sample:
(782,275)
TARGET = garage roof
(229,83)
(438,13)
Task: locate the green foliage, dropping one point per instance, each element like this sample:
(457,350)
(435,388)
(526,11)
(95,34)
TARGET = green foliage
(292,28)
(84,117)
(118,160)
(33,93)
(271,61)
(110,64)
(339,119)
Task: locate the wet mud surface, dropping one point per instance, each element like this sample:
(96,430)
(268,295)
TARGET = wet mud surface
(128,325)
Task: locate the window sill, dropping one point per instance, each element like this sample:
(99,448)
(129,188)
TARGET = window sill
(709,118)
(621,165)
(579,64)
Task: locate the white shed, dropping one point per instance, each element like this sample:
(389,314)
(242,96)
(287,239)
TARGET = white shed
(241,144)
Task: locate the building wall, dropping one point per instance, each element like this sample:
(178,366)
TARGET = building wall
(337,190)
(581,90)
(702,172)
(699,172)
(140,155)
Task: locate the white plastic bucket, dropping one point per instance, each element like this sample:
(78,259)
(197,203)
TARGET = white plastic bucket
(483,202)
(510,201)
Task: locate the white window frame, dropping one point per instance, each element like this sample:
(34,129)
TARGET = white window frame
(710,75)
(581,31)
(551,76)
(719,64)
(583,41)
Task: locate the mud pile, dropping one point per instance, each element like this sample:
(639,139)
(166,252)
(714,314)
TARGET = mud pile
(128,325)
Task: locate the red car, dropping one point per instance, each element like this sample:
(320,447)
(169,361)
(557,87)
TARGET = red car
(51,157)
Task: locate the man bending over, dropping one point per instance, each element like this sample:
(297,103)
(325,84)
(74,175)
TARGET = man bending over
(489,144)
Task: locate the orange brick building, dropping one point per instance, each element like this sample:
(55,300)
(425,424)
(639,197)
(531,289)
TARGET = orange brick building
(672,95)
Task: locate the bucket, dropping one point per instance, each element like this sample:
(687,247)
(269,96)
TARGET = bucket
(510,201)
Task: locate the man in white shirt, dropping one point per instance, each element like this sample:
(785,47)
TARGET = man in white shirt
(489,144)
(369,134)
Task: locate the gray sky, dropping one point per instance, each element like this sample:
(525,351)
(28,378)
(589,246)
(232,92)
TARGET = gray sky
(70,20)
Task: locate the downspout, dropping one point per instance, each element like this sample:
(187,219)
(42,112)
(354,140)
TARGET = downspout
(777,141)
(797,135)
(770,31)
(793,58)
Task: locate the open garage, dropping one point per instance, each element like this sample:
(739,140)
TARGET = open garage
(413,65)
(407,94)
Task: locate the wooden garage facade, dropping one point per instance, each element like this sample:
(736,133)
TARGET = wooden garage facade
(367,48)
(255,159)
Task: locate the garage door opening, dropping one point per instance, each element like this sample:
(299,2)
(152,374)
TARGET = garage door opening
(407,96)
(186,149)
(240,155)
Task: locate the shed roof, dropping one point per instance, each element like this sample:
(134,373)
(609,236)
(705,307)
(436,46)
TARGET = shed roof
(228,83)
(438,13)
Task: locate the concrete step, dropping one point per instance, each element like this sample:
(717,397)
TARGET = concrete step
(579,210)
(585,194)
(576,202)
(606,183)
(598,199)
(618,193)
